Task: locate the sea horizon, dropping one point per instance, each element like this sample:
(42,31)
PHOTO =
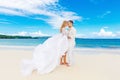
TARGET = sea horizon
(80,42)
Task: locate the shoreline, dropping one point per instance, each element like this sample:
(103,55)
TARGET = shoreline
(82,51)
(19,46)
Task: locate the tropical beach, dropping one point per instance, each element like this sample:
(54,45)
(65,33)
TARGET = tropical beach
(35,35)
(89,64)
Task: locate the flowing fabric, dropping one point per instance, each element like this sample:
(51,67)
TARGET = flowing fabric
(46,56)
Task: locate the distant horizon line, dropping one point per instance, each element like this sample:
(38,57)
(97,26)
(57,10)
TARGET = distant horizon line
(50,36)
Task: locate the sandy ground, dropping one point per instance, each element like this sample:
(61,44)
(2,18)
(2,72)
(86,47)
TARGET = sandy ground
(90,64)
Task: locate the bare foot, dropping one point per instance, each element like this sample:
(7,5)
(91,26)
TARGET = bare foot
(61,63)
(67,64)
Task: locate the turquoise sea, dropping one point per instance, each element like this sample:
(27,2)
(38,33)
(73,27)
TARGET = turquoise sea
(87,43)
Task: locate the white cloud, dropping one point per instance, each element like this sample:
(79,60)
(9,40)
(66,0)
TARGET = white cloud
(57,20)
(33,34)
(23,33)
(104,14)
(103,33)
(11,12)
(39,33)
(118,34)
(81,36)
(50,8)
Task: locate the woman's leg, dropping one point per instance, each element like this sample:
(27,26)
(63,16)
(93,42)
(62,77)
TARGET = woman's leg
(61,60)
(65,59)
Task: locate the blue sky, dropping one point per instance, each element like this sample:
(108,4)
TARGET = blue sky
(92,18)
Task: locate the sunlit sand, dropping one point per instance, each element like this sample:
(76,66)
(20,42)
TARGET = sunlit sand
(89,64)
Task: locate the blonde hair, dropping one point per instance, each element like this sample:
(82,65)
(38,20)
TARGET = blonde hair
(63,25)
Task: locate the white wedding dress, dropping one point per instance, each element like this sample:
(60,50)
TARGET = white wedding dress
(46,56)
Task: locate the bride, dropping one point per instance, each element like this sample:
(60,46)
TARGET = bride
(46,56)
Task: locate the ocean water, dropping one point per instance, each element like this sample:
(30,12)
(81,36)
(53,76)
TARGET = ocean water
(98,43)
(87,43)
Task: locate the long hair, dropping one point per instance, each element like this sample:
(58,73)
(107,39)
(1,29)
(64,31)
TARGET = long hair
(63,25)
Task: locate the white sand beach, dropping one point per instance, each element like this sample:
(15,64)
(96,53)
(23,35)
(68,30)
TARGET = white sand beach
(90,64)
